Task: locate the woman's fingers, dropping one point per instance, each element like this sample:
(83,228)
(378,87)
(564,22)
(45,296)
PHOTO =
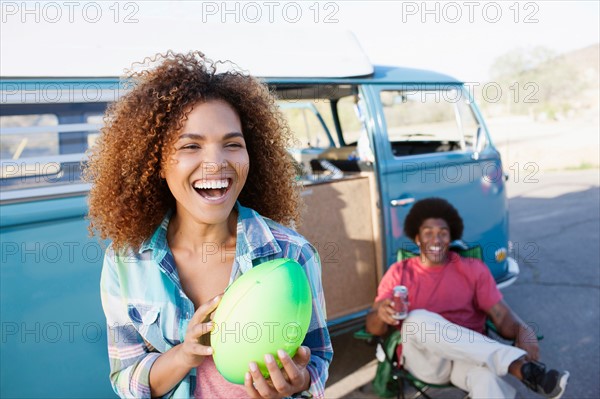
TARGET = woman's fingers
(250,389)
(281,382)
(201,350)
(195,346)
(294,368)
(278,379)
(194,332)
(260,383)
(205,310)
(302,356)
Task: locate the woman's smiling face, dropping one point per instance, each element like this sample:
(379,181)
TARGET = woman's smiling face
(207,168)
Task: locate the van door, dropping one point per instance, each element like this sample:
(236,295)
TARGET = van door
(339,215)
(430,141)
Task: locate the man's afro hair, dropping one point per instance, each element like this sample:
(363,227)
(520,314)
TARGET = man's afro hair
(436,208)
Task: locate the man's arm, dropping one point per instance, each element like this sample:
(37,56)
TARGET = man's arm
(510,326)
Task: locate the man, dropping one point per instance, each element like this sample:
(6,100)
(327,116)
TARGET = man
(449,300)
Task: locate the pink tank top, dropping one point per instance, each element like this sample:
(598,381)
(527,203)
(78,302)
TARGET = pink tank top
(210,384)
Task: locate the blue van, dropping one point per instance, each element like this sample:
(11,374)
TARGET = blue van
(370,141)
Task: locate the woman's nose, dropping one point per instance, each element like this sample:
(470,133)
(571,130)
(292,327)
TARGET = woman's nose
(213,160)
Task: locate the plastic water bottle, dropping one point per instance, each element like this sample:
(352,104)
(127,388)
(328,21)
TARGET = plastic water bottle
(400,300)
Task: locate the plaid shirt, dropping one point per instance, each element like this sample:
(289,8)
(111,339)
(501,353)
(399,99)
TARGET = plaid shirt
(147,312)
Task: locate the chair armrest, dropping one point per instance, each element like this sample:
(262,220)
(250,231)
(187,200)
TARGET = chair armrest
(363,334)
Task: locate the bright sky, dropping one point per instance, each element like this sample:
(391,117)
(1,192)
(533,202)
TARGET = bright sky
(459,38)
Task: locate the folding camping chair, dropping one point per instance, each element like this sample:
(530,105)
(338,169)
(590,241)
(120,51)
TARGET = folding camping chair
(390,378)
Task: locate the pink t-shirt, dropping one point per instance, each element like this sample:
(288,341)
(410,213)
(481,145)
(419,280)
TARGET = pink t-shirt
(210,384)
(460,291)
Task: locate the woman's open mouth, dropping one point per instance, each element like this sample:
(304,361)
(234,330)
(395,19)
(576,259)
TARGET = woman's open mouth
(214,189)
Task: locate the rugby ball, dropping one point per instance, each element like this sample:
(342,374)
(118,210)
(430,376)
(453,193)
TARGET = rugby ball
(267,308)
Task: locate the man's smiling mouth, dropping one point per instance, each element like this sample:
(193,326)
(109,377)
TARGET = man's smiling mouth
(213,189)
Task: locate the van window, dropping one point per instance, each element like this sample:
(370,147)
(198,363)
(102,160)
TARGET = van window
(350,121)
(424,121)
(306,120)
(44,150)
(326,126)
(15,146)
(93,119)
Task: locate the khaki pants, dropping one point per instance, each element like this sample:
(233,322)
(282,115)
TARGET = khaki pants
(438,351)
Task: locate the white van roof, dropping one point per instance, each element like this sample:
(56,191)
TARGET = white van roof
(259,51)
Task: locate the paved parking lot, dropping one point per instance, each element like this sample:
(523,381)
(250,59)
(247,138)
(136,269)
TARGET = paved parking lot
(555,229)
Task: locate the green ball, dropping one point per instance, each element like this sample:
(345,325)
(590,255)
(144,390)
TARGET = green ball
(267,308)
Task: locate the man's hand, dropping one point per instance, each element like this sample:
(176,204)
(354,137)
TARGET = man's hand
(293,378)
(385,311)
(380,317)
(510,326)
(527,340)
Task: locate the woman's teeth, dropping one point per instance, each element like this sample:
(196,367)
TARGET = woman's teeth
(211,184)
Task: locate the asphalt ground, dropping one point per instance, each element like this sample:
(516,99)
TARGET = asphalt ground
(555,230)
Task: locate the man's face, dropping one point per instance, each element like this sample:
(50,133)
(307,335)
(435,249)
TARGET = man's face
(433,241)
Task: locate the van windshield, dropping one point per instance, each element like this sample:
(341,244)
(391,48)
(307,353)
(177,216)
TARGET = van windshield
(434,120)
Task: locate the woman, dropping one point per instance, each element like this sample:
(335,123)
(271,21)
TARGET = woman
(191,182)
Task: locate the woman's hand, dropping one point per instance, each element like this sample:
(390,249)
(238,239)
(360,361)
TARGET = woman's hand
(293,378)
(191,351)
(385,311)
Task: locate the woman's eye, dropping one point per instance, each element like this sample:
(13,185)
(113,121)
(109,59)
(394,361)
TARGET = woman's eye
(190,147)
(233,145)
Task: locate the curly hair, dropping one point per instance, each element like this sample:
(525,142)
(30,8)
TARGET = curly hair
(128,198)
(436,208)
